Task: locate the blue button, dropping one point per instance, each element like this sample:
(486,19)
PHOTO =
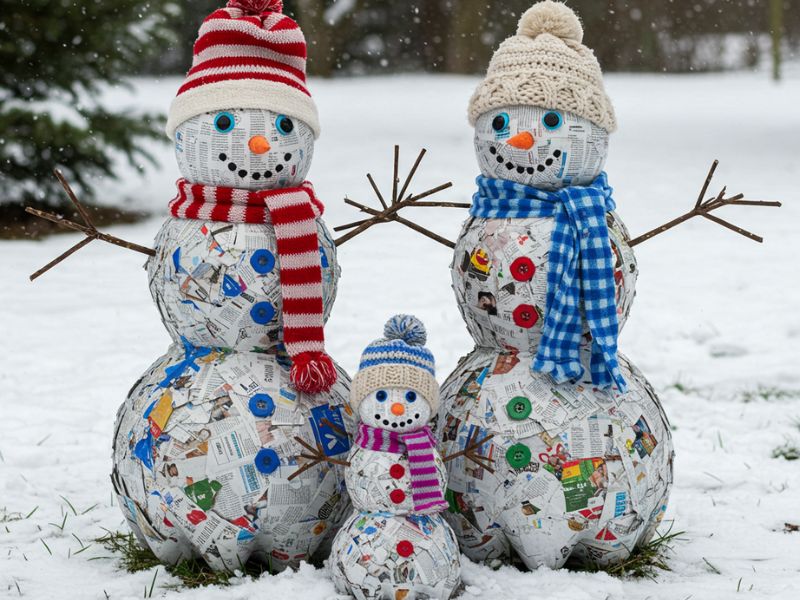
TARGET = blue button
(261,405)
(267,460)
(262,313)
(262,261)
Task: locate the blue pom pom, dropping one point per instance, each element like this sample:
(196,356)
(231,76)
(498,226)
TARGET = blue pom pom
(407,328)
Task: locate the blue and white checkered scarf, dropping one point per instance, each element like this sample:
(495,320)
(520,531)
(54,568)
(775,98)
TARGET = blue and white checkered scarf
(580,268)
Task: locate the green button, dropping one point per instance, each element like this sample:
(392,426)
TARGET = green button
(518,455)
(518,408)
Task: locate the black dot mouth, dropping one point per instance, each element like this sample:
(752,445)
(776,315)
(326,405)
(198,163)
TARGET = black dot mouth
(256,175)
(530,170)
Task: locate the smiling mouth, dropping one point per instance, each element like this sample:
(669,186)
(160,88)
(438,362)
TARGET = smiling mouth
(523,169)
(256,175)
(396,424)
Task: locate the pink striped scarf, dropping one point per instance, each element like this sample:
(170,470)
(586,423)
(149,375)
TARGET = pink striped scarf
(426,492)
(293,213)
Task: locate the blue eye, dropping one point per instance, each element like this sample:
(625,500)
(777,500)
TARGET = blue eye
(381,395)
(411,396)
(552,120)
(224,122)
(284,125)
(500,122)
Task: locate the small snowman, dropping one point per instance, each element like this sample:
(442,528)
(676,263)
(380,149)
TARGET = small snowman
(544,278)
(396,545)
(244,276)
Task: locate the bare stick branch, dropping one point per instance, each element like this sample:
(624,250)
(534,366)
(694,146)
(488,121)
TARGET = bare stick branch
(444,204)
(410,176)
(703,190)
(81,210)
(704,209)
(410,224)
(303,469)
(377,191)
(732,227)
(88,229)
(62,256)
(398,202)
(395,180)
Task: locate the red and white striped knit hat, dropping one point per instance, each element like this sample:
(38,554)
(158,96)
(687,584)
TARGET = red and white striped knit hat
(247,55)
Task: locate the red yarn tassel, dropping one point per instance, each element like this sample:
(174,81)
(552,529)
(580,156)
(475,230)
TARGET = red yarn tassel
(257,7)
(312,372)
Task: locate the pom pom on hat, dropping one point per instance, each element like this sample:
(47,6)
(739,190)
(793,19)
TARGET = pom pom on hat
(256,7)
(550,17)
(312,372)
(407,328)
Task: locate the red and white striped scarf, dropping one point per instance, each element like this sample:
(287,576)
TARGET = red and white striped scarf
(426,492)
(293,213)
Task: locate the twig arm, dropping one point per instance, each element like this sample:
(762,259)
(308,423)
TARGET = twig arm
(704,209)
(88,229)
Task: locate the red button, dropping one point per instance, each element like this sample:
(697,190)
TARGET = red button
(405,548)
(397,496)
(522,269)
(525,316)
(397,471)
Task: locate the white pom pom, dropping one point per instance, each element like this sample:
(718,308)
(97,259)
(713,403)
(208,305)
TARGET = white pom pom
(551,17)
(407,328)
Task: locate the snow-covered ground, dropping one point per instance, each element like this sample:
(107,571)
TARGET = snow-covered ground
(715,313)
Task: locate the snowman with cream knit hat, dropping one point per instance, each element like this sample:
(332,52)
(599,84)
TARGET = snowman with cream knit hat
(396,544)
(244,275)
(544,278)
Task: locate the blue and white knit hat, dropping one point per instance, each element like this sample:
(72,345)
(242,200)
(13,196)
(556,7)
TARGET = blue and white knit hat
(400,359)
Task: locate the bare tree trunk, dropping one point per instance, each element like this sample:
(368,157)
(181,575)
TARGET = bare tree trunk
(776,29)
(319,36)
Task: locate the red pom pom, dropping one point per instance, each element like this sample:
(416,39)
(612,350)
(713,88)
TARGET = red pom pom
(312,372)
(256,7)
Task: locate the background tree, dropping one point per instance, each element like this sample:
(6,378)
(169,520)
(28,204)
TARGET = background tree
(56,57)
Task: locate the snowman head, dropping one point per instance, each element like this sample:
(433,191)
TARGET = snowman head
(395,387)
(540,147)
(253,149)
(541,114)
(244,117)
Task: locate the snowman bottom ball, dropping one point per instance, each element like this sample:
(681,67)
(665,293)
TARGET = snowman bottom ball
(579,472)
(203,448)
(384,556)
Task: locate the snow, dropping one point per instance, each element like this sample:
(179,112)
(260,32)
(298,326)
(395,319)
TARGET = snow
(715,314)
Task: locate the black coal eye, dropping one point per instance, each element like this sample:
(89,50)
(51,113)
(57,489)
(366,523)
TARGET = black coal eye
(284,125)
(223,122)
(500,122)
(552,120)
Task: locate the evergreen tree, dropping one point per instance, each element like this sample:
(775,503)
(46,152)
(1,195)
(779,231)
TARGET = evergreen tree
(56,57)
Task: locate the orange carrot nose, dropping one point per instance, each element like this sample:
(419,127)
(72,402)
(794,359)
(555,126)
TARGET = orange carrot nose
(258,144)
(398,409)
(523,140)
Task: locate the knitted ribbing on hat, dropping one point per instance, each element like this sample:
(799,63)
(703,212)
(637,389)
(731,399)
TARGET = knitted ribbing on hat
(545,65)
(398,360)
(247,55)
(293,213)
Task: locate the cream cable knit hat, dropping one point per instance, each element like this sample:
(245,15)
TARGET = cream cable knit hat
(546,65)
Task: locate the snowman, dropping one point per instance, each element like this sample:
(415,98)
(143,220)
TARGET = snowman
(544,279)
(244,276)
(396,544)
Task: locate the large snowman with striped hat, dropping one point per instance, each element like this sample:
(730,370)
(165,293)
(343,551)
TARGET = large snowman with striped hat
(396,544)
(244,277)
(544,278)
